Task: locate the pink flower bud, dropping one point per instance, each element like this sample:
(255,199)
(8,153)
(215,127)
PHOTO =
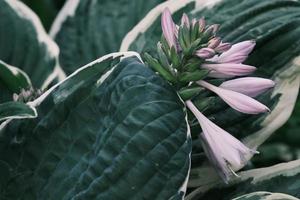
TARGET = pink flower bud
(205,53)
(213,43)
(238,53)
(168,28)
(250,86)
(228,70)
(202,24)
(223,47)
(185,20)
(237,101)
(212,29)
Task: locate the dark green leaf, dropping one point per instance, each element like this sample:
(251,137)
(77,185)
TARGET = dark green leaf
(13,78)
(122,136)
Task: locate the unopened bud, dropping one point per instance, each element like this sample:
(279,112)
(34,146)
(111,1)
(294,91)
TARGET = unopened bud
(205,53)
(213,43)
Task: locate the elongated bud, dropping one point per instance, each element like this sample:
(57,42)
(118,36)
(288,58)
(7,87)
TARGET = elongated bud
(201,25)
(168,28)
(205,53)
(223,47)
(193,76)
(237,101)
(213,43)
(250,86)
(185,20)
(238,53)
(212,29)
(154,64)
(228,70)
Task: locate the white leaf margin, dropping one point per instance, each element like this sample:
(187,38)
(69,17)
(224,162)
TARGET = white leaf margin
(287,169)
(16,71)
(287,84)
(266,196)
(68,10)
(153,14)
(35,103)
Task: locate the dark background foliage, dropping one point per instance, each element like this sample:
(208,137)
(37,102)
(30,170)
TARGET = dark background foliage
(45,9)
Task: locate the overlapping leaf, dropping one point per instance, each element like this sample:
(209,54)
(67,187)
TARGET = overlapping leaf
(122,136)
(16,110)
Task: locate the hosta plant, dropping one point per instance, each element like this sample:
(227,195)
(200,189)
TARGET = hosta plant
(147,99)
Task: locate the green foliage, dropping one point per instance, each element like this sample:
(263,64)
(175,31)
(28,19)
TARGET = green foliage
(16,110)
(96,28)
(24,43)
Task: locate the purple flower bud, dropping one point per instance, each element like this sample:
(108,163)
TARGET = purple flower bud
(212,29)
(250,86)
(228,70)
(237,101)
(202,24)
(226,153)
(205,53)
(214,42)
(185,20)
(223,47)
(169,28)
(238,53)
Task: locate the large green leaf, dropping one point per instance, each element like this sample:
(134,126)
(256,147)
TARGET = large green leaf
(86,30)
(265,196)
(25,44)
(120,134)
(281,178)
